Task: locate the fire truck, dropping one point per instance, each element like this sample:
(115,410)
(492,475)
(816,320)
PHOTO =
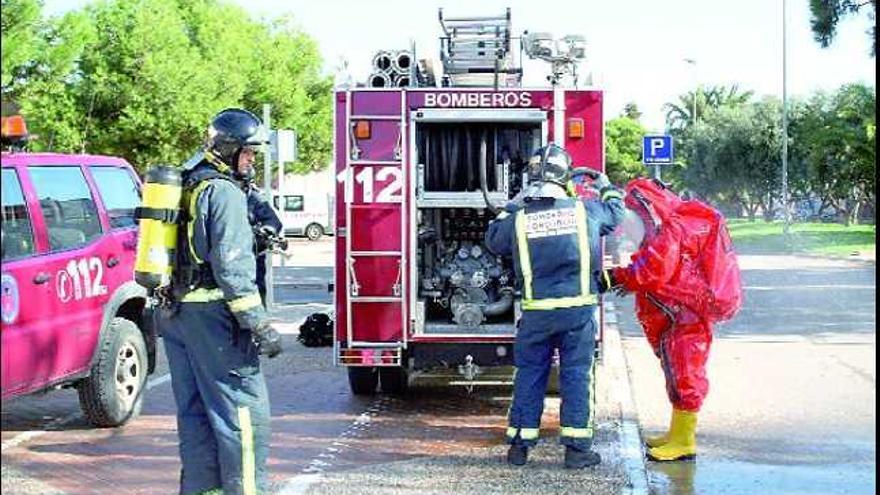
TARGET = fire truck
(424,162)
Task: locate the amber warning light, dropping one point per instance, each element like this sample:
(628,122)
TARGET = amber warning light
(362,129)
(13,127)
(575,128)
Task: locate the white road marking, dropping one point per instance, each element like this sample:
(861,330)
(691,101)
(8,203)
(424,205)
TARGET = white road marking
(313,472)
(299,484)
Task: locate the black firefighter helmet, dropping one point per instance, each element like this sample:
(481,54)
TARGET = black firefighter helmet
(230,132)
(550,164)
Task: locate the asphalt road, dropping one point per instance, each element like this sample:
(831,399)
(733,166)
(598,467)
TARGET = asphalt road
(325,440)
(791,406)
(791,409)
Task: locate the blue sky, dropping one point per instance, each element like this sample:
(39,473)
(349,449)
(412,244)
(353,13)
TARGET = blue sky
(635,48)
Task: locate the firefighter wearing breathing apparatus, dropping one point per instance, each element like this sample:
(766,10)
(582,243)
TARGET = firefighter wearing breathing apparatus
(554,241)
(216,328)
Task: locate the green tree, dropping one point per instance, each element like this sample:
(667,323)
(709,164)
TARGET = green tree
(285,54)
(826,14)
(147,76)
(680,114)
(39,61)
(623,149)
(837,141)
(739,157)
(20,24)
(631,111)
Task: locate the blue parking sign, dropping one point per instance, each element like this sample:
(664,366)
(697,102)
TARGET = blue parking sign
(657,149)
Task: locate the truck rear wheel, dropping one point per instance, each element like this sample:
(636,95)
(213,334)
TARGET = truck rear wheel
(314,232)
(114,391)
(393,380)
(363,381)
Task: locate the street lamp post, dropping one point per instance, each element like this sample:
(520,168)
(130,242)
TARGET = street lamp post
(696,90)
(785,213)
(697,87)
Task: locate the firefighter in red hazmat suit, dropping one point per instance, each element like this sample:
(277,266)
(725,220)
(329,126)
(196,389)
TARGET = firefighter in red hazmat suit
(685,277)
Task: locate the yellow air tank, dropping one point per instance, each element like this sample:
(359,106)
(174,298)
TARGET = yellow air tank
(158,217)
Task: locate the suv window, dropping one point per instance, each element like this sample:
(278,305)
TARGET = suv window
(17,233)
(67,204)
(291,203)
(120,194)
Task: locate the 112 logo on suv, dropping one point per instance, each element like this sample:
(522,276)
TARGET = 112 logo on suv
(81,278)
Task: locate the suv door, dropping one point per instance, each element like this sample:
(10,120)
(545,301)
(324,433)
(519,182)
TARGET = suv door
(22,296)
(119,194)
(77,289)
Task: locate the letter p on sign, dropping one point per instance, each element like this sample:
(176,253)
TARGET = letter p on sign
(656,145)
(657,149)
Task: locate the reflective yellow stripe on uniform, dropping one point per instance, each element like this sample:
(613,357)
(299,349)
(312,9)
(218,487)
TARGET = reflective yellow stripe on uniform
(203,295)
(559,302)
(193,198)
(248,463)
(575,432)
(611,193)
(525,264)
(524,433)
(571,432)
(583,238)
(245,303)
(592,416)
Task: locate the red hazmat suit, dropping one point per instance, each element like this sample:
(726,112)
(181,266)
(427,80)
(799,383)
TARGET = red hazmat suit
(685,277)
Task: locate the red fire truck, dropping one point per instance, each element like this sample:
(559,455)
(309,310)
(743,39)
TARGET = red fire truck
(422,171)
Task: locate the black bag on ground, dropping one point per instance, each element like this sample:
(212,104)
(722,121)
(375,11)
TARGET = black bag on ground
(316,331)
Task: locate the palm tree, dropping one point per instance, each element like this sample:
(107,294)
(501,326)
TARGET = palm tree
(680,114)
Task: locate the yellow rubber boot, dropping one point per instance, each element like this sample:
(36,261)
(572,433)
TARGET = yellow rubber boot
(659,440)
(682,444)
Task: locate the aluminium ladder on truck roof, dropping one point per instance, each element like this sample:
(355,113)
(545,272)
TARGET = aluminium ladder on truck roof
(476,51)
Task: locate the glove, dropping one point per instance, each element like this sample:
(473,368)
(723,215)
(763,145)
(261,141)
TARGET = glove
(268,231)
(608,282)
(267,340)
(601,181)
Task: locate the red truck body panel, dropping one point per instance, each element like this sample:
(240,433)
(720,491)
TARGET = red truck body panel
(375,194)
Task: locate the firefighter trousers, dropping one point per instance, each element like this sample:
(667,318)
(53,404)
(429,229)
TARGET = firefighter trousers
(222,400)
(574,334)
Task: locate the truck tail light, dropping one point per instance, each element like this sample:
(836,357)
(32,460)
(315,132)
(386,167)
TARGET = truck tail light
(13,127)
(362,129)
(575,128)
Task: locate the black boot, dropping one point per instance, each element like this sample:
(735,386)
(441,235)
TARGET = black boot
(517,455)
(577,459)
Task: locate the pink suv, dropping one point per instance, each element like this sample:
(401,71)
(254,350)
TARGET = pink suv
(72,314)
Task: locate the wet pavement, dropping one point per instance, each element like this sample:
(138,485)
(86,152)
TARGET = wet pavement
(325,440)
(791,410)
(351,444)
(791,406)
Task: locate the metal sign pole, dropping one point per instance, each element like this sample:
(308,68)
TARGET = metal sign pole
(267,181)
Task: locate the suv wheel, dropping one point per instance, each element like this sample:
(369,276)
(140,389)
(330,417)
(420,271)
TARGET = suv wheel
(114,392)
(314,232)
